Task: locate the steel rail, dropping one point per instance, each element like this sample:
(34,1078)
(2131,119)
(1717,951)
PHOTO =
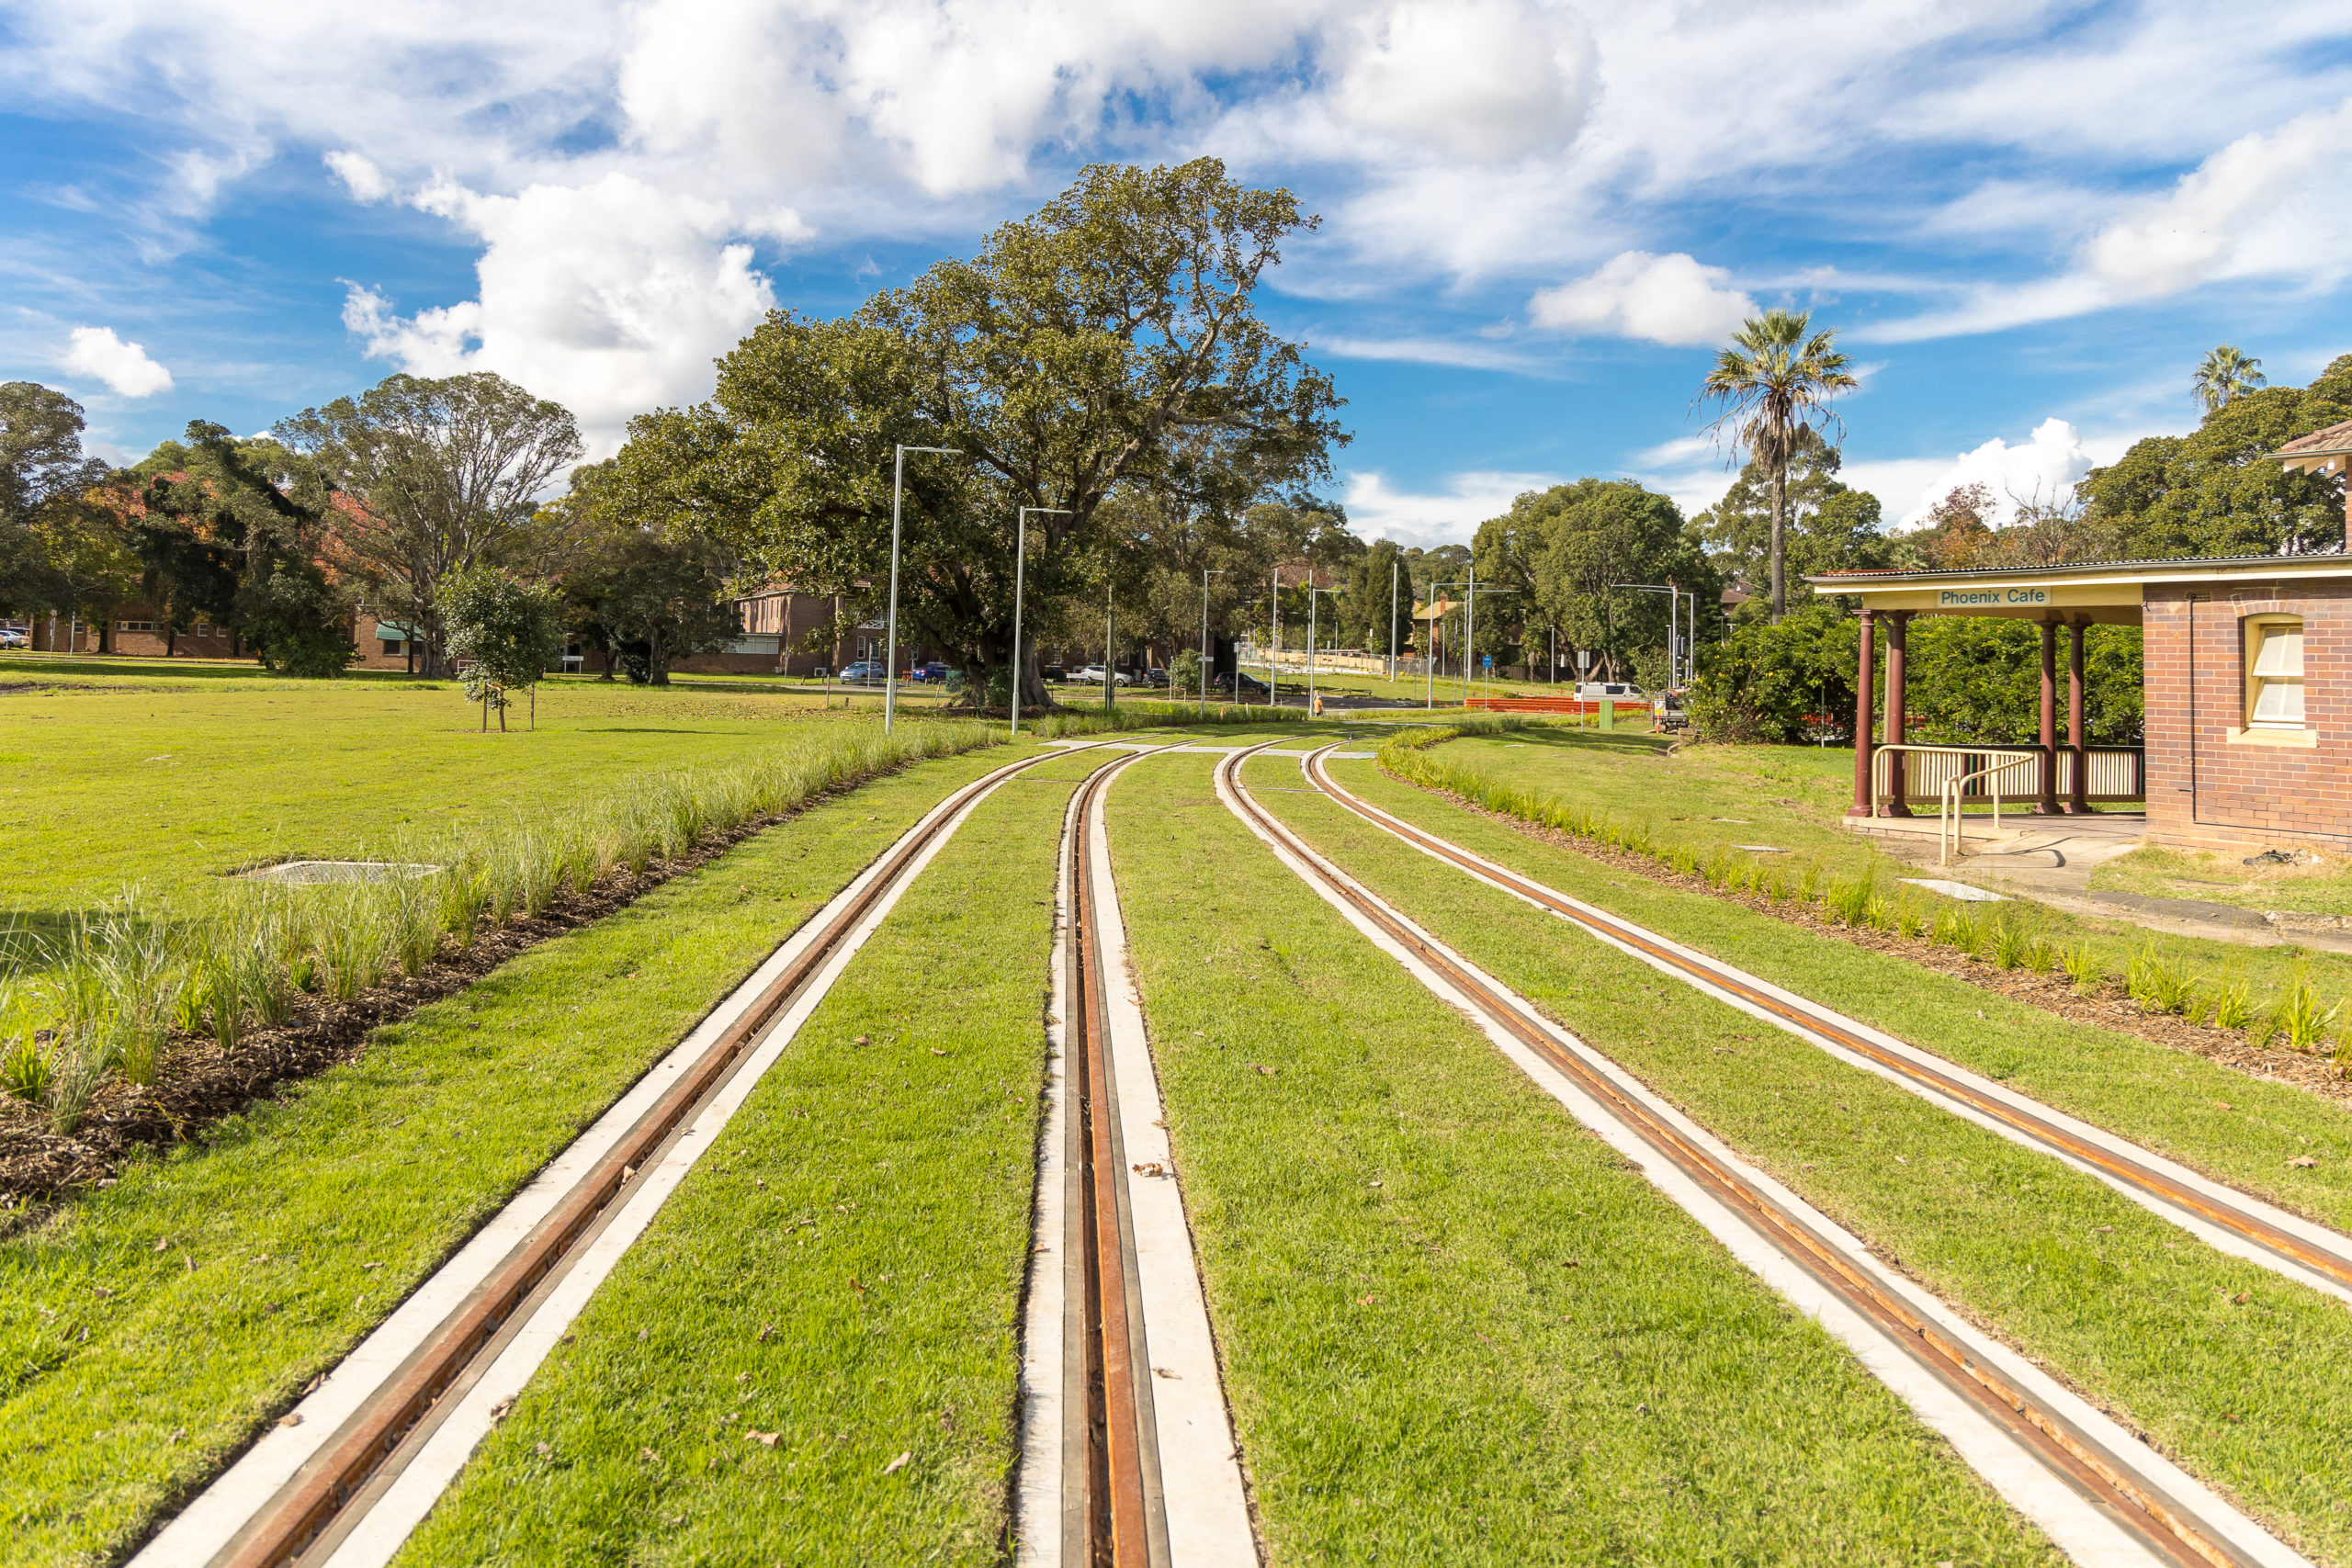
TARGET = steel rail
(383,1432)
(2268,1240)
(1125,1518)
(2093,1471)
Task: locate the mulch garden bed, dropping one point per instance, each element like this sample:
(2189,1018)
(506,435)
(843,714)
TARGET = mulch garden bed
(198,1084)
(2107,1007)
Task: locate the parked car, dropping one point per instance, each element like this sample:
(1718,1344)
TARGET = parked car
(1053,672)
(1092,676)
(11,637)
(1156,676)
(934,670)
(863,669)
(1252,688)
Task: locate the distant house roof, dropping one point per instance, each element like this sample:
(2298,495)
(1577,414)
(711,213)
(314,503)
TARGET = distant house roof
(2323,451)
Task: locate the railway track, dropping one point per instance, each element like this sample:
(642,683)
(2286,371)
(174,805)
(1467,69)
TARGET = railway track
(1128,1457)
(2220,1216)
(345,1475)
(2100,1494)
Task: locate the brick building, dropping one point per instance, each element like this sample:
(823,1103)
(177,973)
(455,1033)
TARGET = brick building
(2247,680)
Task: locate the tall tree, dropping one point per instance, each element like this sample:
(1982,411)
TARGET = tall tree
(2224,374)
(1108,343)
(446,473)
(1776,378)
(1565,550)
(45,478)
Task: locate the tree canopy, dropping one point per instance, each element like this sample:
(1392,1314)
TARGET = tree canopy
(1107,346)
(2210,494)
(1827,527)
(1566,549)
(447,474)
(45,479)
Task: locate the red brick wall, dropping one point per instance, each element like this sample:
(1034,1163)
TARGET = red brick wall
(2202,789)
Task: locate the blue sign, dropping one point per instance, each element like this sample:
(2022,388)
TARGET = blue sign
(1491,661)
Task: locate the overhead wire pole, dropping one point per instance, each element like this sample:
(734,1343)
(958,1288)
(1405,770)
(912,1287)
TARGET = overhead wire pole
(1206,575)
(1274,643)
(1110,649)
(890,653)
(1019,567)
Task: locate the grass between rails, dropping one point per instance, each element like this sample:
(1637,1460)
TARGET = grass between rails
(1455,1326)
(2231,1370)
(1677,800)
(2166,1100)
(148,1329)
(852,1257)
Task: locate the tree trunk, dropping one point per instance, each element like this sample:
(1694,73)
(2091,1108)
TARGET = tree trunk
(1779,518)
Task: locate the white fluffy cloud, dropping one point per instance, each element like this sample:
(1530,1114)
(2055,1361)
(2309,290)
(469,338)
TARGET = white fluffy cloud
(611,296)
(1672,300)
(98,352)
(1477,79)
(359,175)
(2045,465)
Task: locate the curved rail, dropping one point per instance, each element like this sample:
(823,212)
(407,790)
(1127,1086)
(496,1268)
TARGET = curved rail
(2163,1515)
(1148,1475)
(2248,1227)
(305,1516)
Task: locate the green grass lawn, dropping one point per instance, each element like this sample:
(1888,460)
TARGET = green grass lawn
(1455,1326)
(147,1329)
(853,1256)
(169,785)
(1793,797)
(2319,887)
(2231,1370)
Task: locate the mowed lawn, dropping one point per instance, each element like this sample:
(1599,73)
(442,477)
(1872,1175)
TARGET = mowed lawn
(168,779)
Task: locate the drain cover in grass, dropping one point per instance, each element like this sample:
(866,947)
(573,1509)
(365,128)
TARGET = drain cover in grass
(1954,889)
(1761,849)
(313,871)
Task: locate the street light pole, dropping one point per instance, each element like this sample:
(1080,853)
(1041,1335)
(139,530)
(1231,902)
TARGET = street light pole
(1311,592)
(1019,568)
(1206,575)
(1469,631)
(890,653)
(1393,564)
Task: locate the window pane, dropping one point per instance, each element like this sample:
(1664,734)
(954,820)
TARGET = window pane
(2282,650)
(2279,702)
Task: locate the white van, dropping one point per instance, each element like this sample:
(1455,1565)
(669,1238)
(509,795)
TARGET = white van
(1623,690)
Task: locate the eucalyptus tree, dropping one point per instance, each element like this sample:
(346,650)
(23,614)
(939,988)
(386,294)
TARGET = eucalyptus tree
(2223,375)
(1776,378)
(446,474)
(1106,346)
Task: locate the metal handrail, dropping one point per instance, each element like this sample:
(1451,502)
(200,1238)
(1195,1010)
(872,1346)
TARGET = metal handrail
(1948,814)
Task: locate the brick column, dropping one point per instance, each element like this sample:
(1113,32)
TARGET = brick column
(1898,631)
(2048,805)
(1863,806)
(2077,797)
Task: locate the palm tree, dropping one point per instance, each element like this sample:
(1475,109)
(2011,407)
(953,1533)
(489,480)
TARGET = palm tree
(2224,375)
(1773,381)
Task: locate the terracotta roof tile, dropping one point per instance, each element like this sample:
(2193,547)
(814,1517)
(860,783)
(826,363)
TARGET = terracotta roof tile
(2334,438)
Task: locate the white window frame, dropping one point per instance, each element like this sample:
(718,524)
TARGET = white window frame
(2259,631)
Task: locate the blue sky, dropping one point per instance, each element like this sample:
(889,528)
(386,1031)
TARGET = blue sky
(2027,220)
